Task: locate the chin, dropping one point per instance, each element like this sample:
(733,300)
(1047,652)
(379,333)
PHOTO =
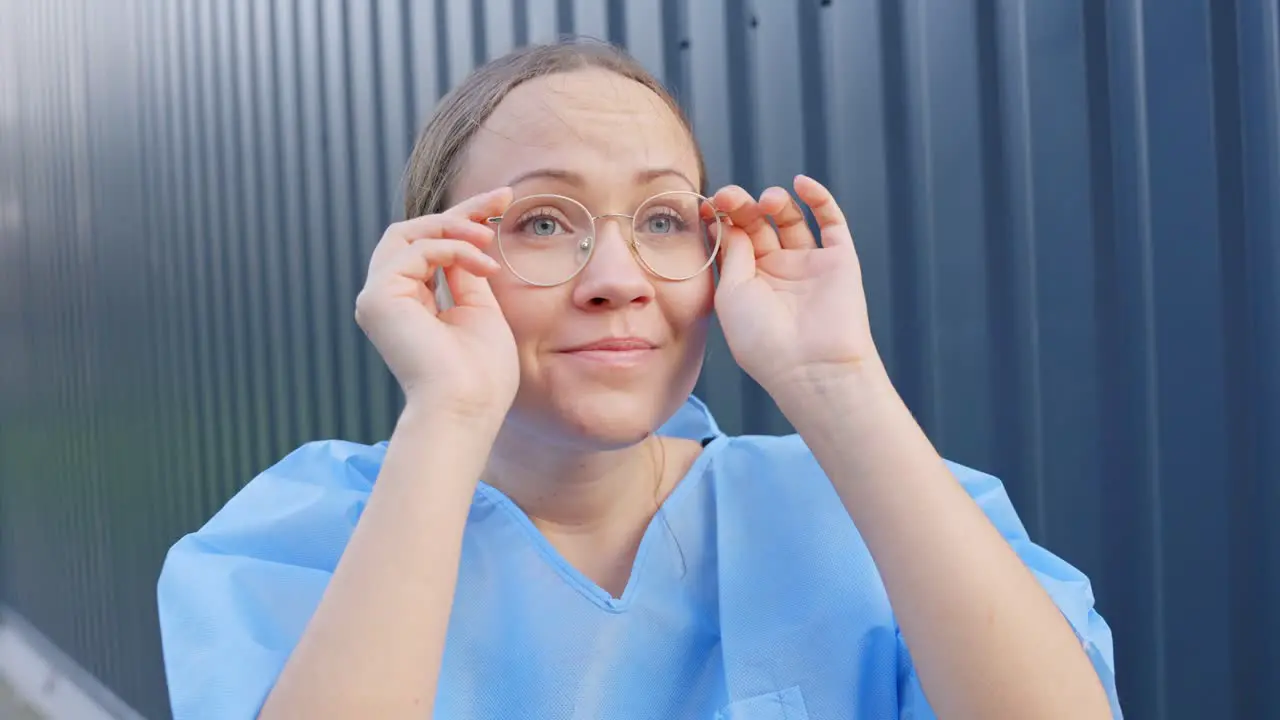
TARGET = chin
(595,418)
(589,409)
(611,419)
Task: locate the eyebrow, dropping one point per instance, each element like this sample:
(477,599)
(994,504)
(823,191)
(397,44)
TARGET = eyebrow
(577,180)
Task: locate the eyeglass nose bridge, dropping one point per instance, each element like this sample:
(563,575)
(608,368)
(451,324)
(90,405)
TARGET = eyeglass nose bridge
(629,237)
(720,215)
(587,244)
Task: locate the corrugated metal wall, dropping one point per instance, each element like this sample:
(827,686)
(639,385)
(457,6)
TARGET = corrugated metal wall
(1068,211)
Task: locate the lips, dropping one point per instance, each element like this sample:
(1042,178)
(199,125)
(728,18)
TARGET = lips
(614,345)
(614,352)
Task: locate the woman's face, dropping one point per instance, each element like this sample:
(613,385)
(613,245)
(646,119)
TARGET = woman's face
(609,143)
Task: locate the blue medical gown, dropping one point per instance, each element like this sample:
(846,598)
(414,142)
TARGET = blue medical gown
(752,597)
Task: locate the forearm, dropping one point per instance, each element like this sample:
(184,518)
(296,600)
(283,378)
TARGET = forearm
(374,646)
(987,641)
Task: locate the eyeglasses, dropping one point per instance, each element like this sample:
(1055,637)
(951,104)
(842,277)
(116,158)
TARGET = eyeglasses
(546,240)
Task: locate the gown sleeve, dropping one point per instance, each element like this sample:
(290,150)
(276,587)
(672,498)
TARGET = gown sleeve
(1068,587)
(235,596)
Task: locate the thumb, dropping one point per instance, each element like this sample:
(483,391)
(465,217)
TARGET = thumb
(482,206)
(738,263)
(469,289)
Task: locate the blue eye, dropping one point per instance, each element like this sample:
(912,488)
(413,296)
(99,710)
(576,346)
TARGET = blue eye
(541,224)
(545,226)
(663,223)
(660,224)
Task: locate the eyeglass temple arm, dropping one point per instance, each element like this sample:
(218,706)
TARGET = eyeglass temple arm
(498,218)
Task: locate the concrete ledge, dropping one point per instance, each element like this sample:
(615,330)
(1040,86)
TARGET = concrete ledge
(50,681)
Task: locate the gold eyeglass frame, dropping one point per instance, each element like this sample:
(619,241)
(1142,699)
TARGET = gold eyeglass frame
(589,242)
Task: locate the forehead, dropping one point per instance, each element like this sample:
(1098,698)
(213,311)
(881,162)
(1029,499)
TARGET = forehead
(592,123)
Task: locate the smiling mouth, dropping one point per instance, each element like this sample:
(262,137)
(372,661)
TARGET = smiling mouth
(620,353)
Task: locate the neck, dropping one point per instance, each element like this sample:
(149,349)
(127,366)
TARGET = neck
(575,489)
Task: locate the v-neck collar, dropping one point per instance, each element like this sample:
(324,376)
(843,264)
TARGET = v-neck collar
(577,578)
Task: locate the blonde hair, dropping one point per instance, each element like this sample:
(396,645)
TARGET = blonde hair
(434,163)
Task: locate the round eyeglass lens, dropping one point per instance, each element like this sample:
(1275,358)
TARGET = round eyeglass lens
(545,239)
(676,234)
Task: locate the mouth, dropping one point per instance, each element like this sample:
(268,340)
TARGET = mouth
(618,352)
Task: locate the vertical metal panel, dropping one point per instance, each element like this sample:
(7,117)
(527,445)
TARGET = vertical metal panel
(949,253)
(1256,395)
(311,125)
(644,32)
(257,250)
(272,303)
(426,83)
(590,19)
(773,65)
(499,27)
(710,110)
(290,228)
(1068,216)
(370,196)
(1190,423)
(542,20)
(461,52)
(862,68)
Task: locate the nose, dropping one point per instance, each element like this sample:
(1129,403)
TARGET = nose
(613,277)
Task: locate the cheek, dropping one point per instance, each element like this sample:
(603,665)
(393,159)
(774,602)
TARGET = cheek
(529,311)
(689,304)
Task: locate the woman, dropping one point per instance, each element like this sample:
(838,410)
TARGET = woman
(556,529)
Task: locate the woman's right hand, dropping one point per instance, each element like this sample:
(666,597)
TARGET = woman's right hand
(462,360)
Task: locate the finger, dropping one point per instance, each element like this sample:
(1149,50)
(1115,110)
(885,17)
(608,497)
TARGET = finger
(468,220)
(831,222)
(715,228)
(469,289)
(793,230)
(417,262)
(707,209)
(737,259)
(442,226)
(745,213)
(708,212)
(481,207)
(429,227)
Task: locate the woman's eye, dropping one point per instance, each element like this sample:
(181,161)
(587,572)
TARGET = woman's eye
(542,226)
(661,224)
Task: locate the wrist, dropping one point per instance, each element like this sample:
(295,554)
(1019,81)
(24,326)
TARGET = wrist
(449,414)
(843,407)
(434,455)
(464,431)
(862,434)
(831,387)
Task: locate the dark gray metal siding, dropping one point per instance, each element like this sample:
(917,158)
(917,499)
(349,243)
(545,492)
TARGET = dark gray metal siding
(1068,214)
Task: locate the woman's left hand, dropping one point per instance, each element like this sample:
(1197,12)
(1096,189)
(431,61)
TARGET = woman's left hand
(794,314)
